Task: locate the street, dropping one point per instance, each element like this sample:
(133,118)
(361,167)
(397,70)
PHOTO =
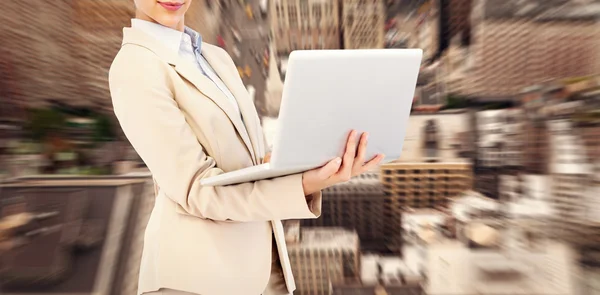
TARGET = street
(248,50)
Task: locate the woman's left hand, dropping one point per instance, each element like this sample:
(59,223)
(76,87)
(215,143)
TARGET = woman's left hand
(267,158)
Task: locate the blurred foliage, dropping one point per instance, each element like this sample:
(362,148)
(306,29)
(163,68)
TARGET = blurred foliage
(16,147)
(65,136)
(497,106)
(85,171)
(104,129)
(43,122)
(454,101)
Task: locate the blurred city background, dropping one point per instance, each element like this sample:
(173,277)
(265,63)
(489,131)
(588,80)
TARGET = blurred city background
(497,190)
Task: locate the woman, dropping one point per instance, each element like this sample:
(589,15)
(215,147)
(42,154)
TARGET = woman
(183,107)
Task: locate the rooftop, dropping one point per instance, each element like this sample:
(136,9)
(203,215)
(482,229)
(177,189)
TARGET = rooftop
(328,238)
(392,267)
(453,268)
(462,206)
(414,219)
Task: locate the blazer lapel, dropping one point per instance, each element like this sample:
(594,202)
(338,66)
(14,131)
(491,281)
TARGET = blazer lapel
(208,88)
(247,108)
(188,71)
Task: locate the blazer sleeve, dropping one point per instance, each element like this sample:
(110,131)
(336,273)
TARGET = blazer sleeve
(143,102)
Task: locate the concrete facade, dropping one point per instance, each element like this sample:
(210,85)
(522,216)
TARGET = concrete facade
(363,24)
(324,256)
(305,24)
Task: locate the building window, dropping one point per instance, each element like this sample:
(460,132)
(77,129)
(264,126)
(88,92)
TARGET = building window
(317,14)
(293,16)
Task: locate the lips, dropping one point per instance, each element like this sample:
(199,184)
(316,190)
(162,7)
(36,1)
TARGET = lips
(171,5)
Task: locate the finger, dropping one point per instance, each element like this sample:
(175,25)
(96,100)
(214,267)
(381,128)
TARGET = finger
(359,160)
(349,154)
(330,168)
(373,162)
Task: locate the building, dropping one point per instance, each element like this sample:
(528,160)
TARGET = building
(493,256)
(590,282)
(574,187)
(535,151)
(431,140)
(591,138)
(358,205)
(385,275)
(453,68)
(455,269)
(489,138)
(360,289)
(64,52)
(510,187)
(526,200)
(305,24)
(516,43)
(324,256)
(429,96)
(458,18)
(452,136)
(463,207)
(529,198)
(390,270)
(454,20)
(274,86)
(363,24)
(487,181)
(528,193)
(543,102)
(402,33)
(427,29)
(292,231)
(94,225)
(499,148)
(570,171)
(415,221)
(499,138)
(424,185)
(512,150)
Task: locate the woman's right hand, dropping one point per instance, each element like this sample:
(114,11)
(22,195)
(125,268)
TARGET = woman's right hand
(341,169)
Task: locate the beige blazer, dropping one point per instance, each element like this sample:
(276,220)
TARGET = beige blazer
(204,240)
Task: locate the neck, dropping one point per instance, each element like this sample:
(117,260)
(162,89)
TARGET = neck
(180,26)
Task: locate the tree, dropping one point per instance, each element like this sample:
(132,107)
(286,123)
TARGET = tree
(454,101)
(44,122)
(103,129)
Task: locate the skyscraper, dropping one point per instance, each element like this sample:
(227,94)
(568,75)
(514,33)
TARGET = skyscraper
(363,23)
(63,52)
(305,24)
(323,256)
(517,43)
(358,205)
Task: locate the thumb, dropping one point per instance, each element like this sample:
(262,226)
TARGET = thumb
(330,168)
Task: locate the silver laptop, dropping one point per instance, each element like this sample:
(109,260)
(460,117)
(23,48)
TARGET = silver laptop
(326,94)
